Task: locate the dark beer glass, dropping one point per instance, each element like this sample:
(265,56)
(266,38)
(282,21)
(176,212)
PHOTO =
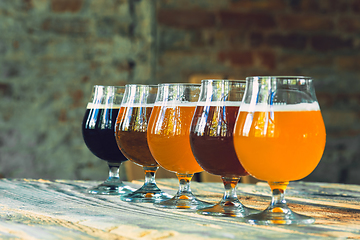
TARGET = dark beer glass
(212,142)
(130,132)
(98,133)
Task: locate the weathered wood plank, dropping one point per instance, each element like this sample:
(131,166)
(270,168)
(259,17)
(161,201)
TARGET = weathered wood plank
(42,209)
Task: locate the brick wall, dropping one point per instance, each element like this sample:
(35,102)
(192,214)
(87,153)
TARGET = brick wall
(239,38)
(53,51)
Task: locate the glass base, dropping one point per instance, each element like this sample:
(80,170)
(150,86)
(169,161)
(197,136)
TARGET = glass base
(227,209)
(110,187)
(279,216)
(146,195)
(183,202)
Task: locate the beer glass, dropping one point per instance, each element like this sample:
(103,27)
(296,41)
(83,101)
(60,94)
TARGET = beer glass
(168,138)
(130,132)
(98,132)
(212,141)
(279,136)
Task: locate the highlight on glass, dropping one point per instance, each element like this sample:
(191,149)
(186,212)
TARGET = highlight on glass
(211,139)
(279,136)
(98,133)
(130,131)
(168,138)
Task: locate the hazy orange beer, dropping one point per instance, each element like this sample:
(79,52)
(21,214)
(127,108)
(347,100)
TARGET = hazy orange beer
(168,137)
(293,137)
(169,141)
(279,136)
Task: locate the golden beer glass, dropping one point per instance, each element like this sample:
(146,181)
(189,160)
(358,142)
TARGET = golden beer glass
(279,136)
(168,138)
(130,132)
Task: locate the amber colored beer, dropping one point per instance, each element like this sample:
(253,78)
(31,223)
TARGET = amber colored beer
(282,144)
(130,133)
(168,138)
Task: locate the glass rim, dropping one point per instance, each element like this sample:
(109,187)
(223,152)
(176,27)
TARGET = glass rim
(225,80)
(179,84)
(105,86)
(279,77)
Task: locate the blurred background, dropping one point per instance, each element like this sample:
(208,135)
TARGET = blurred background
(53,51)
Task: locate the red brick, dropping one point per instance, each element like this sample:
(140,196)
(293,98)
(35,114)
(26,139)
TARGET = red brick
(290,41)
(320,7)
(77,97)
(355,6)
(62,116)
(348,63)
(238,20)
(188,19)
(349,24)
(61,6)
(256,39)
(27,5)
(267,59)
(296,61)
(5,89)
(249,5)
(244,58)
(306,22)
(72,26)
(330,43)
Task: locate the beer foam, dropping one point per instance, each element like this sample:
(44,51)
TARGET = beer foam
(176,104)
(314,106)
(137,105)
(102,106)
(220,103)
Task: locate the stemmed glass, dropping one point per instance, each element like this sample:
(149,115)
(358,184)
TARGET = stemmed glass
(130,132)
(168,138)
(98,132)
(212,141)
(279,137)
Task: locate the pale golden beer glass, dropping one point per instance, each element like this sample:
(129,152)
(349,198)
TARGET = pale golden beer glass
(168,139)
(279,136)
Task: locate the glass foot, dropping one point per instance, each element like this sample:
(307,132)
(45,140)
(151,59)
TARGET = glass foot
(187,201)
(111,187)
(279,216)
(146,195)
(227,209)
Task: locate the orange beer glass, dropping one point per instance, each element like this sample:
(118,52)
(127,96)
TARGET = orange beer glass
(279,136)
(168,139)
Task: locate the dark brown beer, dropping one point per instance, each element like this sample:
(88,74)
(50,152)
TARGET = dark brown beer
(98,133)
(212,141)
(130,132)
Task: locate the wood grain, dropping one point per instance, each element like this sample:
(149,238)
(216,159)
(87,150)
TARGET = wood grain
(43,209)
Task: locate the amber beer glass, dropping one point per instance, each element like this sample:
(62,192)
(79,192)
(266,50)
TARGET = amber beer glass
(168,138)
(279,137)
(212,141)
(130,131)
(98,133)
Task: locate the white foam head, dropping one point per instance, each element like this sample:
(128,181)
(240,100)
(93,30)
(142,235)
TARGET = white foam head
(176,104)
(91,105)
(314,106)
(220,103)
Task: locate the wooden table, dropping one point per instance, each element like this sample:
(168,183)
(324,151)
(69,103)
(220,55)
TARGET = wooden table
(42,209)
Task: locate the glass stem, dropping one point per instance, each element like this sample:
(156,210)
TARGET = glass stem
(150,177)
(278,202)
(114,171)
(230,196)
(184,191)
